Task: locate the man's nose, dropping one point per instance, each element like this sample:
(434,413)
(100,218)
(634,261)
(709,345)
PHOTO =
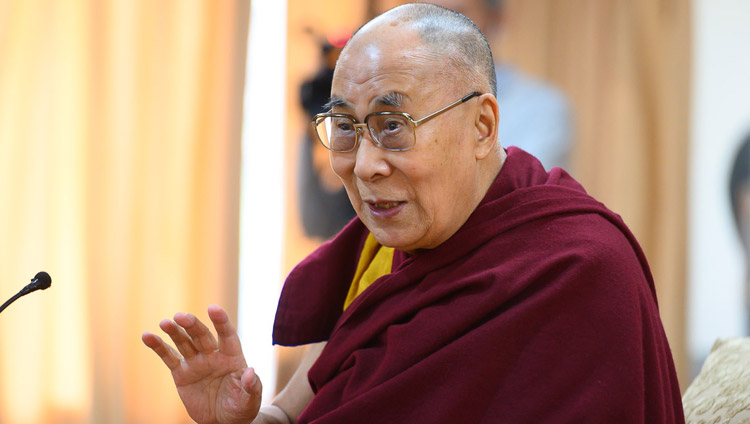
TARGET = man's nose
(371,160)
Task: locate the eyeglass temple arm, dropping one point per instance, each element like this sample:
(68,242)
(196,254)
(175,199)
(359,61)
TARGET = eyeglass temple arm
(450,106)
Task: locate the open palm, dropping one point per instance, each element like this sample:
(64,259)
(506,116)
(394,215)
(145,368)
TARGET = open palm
(212,378)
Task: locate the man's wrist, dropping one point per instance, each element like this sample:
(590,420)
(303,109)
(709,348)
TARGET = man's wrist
(275,413)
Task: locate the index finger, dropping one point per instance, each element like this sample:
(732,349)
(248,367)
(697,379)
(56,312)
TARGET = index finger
(203,340)
(167,354)
(229,341)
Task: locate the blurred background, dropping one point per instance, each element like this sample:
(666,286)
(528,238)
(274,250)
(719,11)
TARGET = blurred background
(155,158)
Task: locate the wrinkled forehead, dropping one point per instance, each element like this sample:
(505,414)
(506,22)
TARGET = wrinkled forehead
(390,42)
(386,57)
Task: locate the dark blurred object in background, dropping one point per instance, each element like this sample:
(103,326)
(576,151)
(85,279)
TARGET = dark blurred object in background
(739,194)
(324,204)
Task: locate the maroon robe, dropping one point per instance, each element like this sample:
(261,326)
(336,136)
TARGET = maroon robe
(541,308)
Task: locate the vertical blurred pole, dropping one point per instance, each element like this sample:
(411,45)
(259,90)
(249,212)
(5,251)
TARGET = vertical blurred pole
(262,204)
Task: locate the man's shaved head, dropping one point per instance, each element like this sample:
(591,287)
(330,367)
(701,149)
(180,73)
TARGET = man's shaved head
(451,37)
(420,60)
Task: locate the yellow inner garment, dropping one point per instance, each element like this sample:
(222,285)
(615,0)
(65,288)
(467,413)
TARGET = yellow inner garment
(375,261)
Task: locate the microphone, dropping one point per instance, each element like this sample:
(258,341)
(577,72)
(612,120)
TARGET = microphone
(41,281)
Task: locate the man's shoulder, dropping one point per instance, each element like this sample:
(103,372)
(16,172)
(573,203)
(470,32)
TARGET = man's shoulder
(597,239)
(590,233)
(557,237)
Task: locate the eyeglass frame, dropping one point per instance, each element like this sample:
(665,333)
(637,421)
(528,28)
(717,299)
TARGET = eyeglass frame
(359,126)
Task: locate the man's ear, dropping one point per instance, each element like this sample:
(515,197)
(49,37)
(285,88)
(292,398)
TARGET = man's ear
(486,125)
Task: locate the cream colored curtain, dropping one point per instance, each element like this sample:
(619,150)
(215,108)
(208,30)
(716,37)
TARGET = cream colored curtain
(625,65)
(119,175)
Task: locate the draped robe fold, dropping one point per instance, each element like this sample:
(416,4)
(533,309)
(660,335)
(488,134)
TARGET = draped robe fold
(541,308)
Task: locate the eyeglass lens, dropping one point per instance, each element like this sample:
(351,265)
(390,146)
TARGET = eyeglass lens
(393,132)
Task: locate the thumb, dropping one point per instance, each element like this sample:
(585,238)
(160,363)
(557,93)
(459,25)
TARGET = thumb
(251,385)
(241,402)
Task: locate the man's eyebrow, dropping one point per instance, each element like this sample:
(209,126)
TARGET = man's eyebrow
(391,99)
(335,101)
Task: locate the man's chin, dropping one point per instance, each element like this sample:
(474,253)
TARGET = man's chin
(391,237)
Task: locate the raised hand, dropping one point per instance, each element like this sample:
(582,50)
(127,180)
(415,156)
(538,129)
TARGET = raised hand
(212,378)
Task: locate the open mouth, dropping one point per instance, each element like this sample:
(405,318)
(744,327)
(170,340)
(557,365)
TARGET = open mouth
(385,209)
(385,205)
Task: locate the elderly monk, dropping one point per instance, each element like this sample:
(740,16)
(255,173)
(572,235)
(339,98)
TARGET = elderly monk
(474,287)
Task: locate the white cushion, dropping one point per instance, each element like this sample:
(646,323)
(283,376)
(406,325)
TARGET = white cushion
(721,392)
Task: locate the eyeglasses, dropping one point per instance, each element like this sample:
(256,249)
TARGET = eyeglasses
(394,131)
